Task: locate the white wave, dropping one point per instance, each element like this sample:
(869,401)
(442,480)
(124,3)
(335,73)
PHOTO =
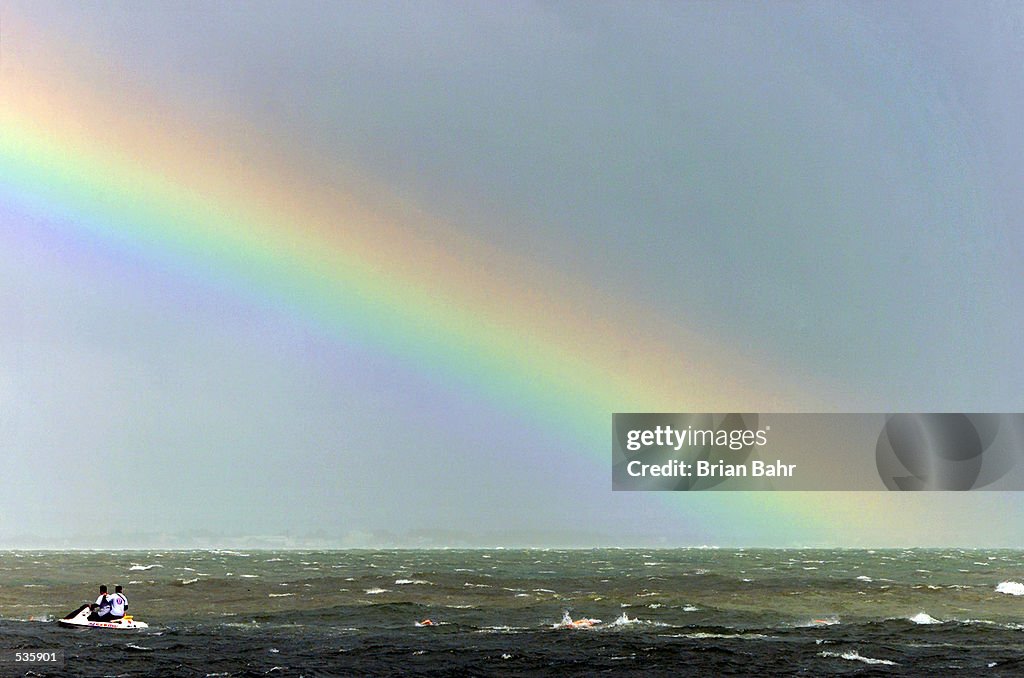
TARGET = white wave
(141,568)
(403,582)
(625,620)
(1012,626)
(864,578)
(133,646)
(853,655)
(186,582)
(279,595)
(1012,588)
(249,576)
(502,629)
(375,591)
(690,608)
(924,618)
(700,635)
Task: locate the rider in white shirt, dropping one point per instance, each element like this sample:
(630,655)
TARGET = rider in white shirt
(118,603)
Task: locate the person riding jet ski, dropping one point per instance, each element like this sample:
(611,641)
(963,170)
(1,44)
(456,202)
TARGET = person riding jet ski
(101,608)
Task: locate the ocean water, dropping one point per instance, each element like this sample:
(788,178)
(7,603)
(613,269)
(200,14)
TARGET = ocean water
(681,612)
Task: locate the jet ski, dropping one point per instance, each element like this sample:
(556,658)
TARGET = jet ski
(80,619)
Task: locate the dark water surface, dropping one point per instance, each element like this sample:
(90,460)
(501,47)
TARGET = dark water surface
(501,612)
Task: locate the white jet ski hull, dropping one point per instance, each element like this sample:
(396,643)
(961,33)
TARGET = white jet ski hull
(79,619)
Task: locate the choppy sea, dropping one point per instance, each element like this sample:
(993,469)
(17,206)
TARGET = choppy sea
(681,612)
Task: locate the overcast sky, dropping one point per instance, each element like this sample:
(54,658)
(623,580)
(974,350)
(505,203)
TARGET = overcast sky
(831,191)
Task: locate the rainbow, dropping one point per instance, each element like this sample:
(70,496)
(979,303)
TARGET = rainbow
(142,181)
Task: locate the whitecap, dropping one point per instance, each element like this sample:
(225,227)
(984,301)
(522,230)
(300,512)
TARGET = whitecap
(700,635)
(864,578)
(375,591)
(1012,588)
(924,618)
(625,620)
(403,582)
(142,568)
(279,595)
(853,655)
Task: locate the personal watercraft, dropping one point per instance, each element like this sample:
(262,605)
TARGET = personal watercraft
(80,619)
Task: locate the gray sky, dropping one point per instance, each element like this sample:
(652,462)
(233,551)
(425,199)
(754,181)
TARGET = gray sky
(833,190)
